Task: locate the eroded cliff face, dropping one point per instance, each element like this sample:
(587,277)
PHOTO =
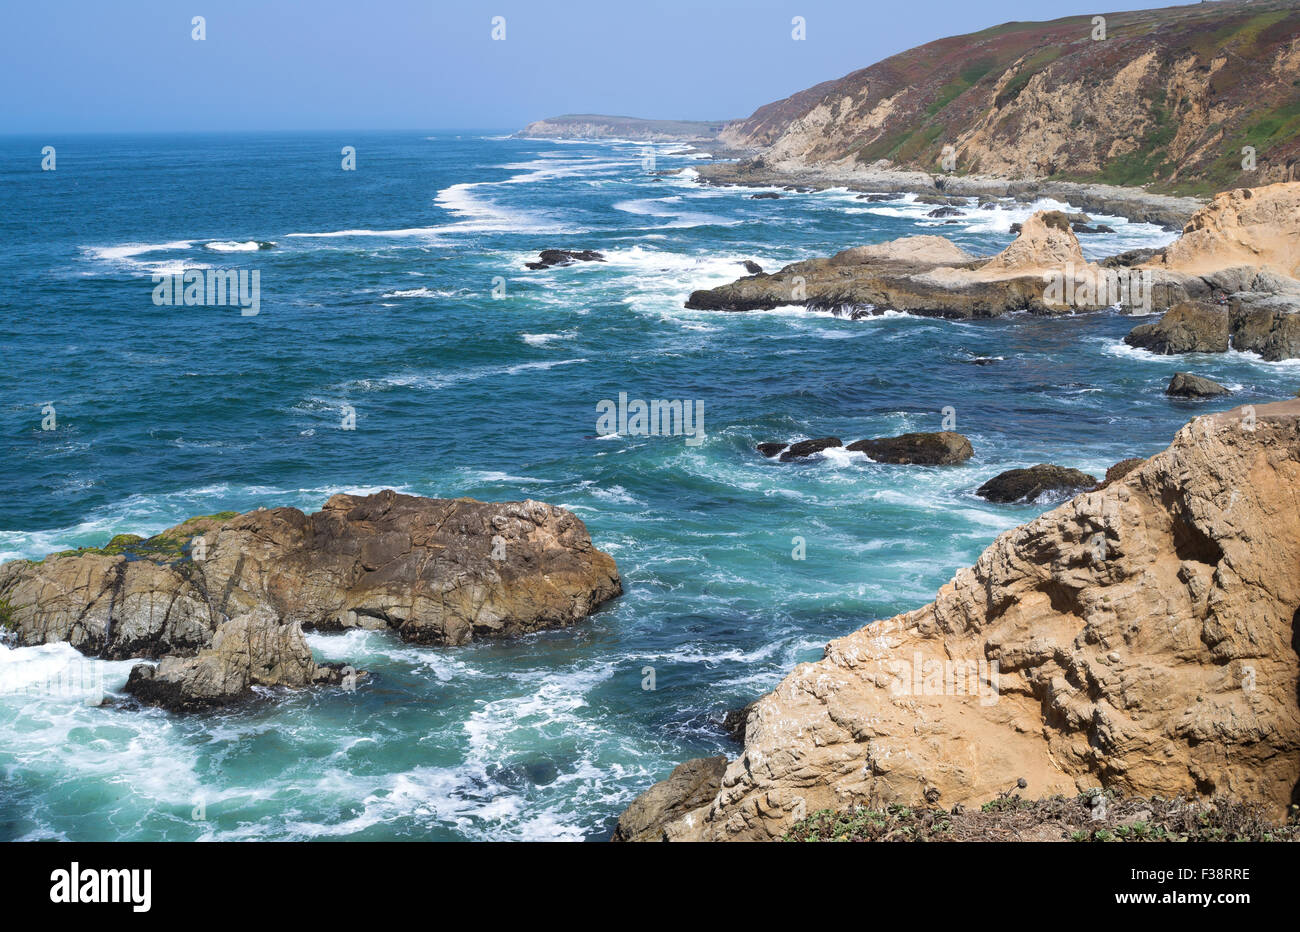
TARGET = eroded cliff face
(1169,96)
(1141,637)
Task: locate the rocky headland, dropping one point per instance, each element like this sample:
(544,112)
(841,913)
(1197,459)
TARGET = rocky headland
(1231,280)
(1140,639)
(222,600)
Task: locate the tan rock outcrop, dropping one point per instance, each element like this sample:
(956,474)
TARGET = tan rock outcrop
(1141,637)
(1257,228)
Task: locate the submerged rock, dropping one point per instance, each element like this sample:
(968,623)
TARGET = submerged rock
(1021,485)
(548,258)
(765,196)
(941,448)
(1187,385)
(1138,638)
(806,448)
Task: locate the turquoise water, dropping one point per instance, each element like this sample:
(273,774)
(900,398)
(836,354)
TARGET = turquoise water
(378,295)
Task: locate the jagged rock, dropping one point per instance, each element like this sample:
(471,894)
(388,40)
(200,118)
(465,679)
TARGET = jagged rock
(1144,641)
(1265,324)
(1187,385)
(1189,327)
(253,649)
(550,258)
(438,571)
(942,448)
(691,785)
(752,267)
(945,212)
(806,448)
(1018,485)
(771,449)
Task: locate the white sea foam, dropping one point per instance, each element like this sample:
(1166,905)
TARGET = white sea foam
(246,246)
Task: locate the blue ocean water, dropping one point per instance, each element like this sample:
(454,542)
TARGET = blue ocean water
(378,296)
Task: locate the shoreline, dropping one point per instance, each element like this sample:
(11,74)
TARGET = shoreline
(1134,204)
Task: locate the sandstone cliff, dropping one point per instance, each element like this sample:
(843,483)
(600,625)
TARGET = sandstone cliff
(1141,637)
(1169,96)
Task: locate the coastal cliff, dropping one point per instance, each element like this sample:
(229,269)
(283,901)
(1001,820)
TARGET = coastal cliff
(1140,638)
(1187,89)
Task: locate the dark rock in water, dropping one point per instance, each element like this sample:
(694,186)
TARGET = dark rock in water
(876,198)
(771,449)
(765,196)
(1020,485)
(1130,258)
(1187,385)
(752,267)
(984,360)
(734,721)
(949,223)
(690,786)
(1085,228)
(942,448)
(1119,471)
(946,212)
(805,448)
(558,257)
(1017,227)
(262,244)
(1188,327)
(942,200)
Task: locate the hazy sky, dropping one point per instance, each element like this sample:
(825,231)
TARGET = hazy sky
(105,65)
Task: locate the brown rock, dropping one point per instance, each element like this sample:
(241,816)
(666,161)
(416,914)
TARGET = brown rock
(1187,385)
(690,786)
(942,448)
(438,571)
(1019,485)
(1144,641)
(1189,327)
(1119,471)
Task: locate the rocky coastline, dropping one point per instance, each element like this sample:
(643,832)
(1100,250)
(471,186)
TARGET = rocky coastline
(1138,640)
(1230,281)
(1137,204)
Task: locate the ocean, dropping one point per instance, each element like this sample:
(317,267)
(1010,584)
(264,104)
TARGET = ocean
(397,294)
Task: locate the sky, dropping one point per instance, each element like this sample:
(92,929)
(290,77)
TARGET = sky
(134,65)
